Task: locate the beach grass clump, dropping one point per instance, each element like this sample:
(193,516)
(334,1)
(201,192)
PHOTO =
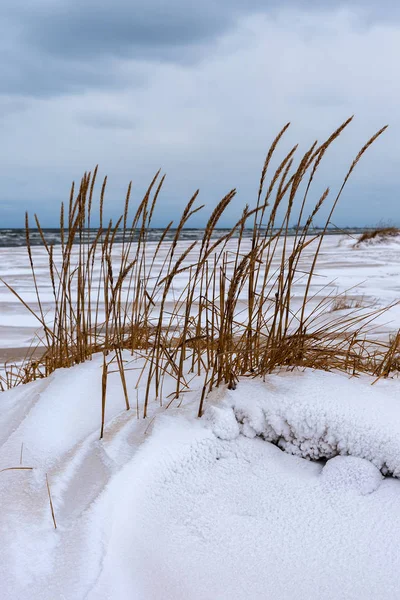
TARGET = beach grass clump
(219,308)
(346,302)
(378,235)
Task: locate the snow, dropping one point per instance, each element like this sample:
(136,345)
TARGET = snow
(229,506)
(371,274)
(243,520)
(286,488)
(319,415)
(344,473)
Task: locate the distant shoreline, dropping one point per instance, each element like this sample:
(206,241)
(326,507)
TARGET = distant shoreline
(16,237)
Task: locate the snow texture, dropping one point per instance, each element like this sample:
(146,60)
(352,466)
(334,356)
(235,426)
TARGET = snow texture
(318,415)
(180,508)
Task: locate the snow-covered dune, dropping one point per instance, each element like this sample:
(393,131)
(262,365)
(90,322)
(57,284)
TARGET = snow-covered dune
(174,507)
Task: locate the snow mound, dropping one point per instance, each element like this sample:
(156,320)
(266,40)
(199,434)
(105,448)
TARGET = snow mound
(382,237)
(319,415)
(344,473)
(197,517)
(174,507)
(223,422)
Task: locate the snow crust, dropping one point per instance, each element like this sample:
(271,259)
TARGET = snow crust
(239,518)
(351,473)
(318,415)
(226,507)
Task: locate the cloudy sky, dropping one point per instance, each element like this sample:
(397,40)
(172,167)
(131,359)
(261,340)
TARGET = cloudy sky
(199,89)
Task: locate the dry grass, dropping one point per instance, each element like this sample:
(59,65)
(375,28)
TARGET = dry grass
(110,298)
(345,302)
(53,516)
(379,234)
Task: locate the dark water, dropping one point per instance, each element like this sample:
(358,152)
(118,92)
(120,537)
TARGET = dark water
(17,237)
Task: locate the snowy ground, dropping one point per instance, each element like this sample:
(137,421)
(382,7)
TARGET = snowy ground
(285,489)
(371,273)
(173,507)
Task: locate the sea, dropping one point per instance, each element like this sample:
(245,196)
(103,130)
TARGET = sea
(14,238)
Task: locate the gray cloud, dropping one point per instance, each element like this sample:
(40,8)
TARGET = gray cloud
(125,28)
(35,76)
(60,46)
(52,47)
(199,89)
(10,105)
(107,120)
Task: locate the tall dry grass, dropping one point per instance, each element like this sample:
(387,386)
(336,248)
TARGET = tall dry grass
(234,314)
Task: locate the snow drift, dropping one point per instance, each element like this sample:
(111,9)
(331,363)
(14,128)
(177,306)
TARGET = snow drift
(317,415)
(173,507)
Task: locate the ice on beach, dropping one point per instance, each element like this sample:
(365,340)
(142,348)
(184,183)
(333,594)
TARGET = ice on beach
(229,506)
(369,274)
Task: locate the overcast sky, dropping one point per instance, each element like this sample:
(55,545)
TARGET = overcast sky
(199,89)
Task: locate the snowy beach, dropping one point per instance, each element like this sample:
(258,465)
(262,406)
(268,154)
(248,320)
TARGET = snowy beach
(228,507)
(199,300)
(369,275)
(285,487)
